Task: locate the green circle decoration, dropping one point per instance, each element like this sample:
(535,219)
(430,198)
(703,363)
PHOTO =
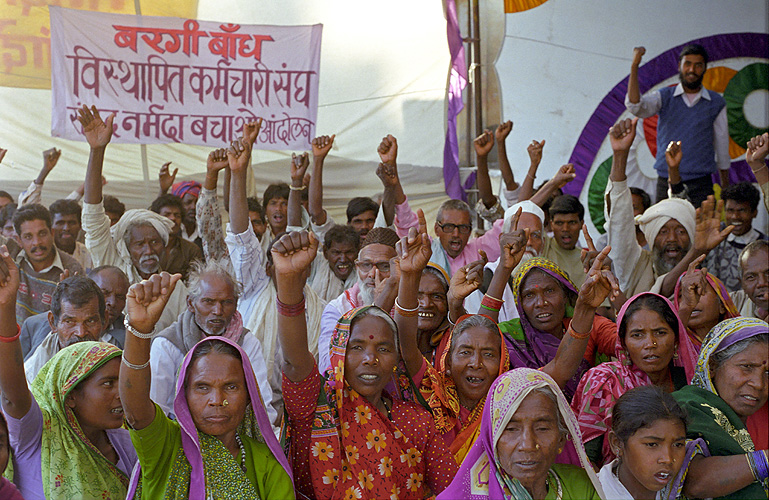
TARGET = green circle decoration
(752,77)
(595,194)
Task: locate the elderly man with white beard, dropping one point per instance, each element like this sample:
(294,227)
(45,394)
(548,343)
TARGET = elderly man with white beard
(136,243)
(373,266)
(212,302)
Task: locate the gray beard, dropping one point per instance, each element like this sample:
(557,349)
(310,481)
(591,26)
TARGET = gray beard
(661,264)
(365,293)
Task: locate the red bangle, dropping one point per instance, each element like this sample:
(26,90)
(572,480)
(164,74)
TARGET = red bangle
(576,335)
(489,302)
(292,310)
(8,340)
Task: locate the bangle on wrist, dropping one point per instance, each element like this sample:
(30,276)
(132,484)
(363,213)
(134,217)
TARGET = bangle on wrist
(133,331)
(406,313)
(491,303)
(575,334)
(8,340)
(133,366)
(760,465)
(300,188)
(290,310)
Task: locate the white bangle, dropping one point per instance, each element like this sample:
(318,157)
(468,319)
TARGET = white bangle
(137,333)
(133,366)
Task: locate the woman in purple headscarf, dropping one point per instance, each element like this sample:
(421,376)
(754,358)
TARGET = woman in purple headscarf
(526,424)
(545,298)
(222,445)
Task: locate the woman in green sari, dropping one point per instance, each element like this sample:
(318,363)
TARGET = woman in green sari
(222,445)
(64,429)
(729,385)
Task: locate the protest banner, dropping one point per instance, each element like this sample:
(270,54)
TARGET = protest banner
(183,80)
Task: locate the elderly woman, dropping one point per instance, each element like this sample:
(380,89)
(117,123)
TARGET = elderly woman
(729,385)
(477,353)
(64,430)
(433,320)
(701,301)
(349,436)
(546,300)
(525,426)
(222,445)
(649,330)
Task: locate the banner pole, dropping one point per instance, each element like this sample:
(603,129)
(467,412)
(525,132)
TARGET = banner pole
(143,147)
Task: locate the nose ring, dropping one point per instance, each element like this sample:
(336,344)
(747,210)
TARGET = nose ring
(537,446)
(225,402)
(654,344)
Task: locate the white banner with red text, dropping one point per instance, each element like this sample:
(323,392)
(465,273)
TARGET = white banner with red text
(181,80)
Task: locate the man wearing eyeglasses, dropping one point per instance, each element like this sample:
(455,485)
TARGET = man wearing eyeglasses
(373,267)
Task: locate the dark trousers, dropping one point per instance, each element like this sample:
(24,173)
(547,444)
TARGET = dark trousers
(697,189)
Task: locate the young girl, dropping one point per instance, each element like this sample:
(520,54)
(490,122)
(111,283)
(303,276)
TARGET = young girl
(648,437)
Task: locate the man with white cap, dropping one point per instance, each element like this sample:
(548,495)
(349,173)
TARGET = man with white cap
(676,233)
(136,243)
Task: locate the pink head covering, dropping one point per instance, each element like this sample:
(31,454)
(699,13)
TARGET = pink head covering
(181,188)
(190,442)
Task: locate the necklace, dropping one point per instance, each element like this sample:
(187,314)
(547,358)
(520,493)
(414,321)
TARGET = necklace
(387,409)
(242,453)
(553,478)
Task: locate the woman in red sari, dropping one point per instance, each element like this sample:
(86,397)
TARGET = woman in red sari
(350,437)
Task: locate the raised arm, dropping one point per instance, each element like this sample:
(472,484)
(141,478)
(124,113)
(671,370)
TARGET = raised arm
(166,178)
(98,134)
(291,257)
(511,246)
(758,148)
(299,166)
(16,397)
(500,134)
(693,287)
(598,285)
(483,144)
(34,193)
(633,91)
(535,156)
(250,133)
(207,212)
(238,156)
(621,226)
(565,175)
(144,306)
(465,281)
(388,174)
(414,253)
(673,157)
(321,146)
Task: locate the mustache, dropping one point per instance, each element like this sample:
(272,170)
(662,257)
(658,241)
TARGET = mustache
(39,247)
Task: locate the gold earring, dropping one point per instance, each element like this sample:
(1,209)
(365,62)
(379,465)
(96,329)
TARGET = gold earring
(225,402)
(537,446)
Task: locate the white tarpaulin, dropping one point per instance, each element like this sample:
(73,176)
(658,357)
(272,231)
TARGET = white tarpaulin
(383,71)
(175,80)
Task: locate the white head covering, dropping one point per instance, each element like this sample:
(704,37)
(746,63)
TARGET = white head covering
(660,213)
(528,207)
(162,225)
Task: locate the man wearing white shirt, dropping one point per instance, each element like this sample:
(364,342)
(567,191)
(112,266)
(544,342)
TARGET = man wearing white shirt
(688,113)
